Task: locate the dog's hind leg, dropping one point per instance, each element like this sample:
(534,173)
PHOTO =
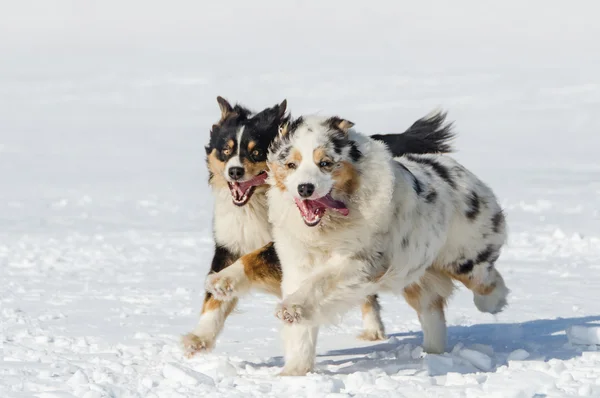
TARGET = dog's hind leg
(373,328)
(214,311)
(492,301)
(428,298)
(486,283)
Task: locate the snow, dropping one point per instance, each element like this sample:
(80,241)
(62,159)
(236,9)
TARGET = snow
(518,355)
(185,376)
(478,359)
(105,215)
(588,335)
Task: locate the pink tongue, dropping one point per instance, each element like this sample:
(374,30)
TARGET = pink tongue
(304,207)
(336,205)
(242,187)
(317,207)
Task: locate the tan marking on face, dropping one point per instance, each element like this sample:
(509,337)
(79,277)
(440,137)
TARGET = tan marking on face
(320,155)
(280,171)
(253,168)
(295,156)
(251,145)
(346,178)
(217,168)
(228,148)
(262,273)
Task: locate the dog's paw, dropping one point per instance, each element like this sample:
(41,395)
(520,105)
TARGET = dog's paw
(492,303)
(194,344)
(221,287)
(372,335)
(294,372)
(290,313)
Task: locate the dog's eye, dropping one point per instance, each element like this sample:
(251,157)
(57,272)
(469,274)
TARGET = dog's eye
(256,153)
(226,151)
(325,163)
(291,165)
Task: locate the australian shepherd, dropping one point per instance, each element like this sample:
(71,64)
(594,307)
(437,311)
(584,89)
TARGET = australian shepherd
(237,163)
(349,220)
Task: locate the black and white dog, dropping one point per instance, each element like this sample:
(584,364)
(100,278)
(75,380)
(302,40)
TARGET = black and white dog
(237,163)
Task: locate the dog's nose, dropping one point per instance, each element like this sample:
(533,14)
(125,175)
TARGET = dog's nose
(235,173)
(306,190)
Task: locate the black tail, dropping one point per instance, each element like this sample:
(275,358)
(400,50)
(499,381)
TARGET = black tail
(430,134)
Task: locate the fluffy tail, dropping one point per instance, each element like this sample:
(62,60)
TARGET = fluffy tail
(430,134)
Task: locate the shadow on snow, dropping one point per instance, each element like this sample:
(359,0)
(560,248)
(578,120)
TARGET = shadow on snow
(543,339)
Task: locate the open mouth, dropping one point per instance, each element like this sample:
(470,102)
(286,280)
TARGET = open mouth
(313,210)
(241,192)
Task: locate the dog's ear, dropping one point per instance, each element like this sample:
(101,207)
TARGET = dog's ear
(226,108)
(284,128)
(281,109)
(276,113)
(215,129)
(337,123)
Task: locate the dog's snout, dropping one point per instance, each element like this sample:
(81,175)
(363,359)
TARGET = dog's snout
(235,173)
(306,190)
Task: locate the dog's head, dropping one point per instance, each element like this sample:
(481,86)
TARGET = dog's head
(237,151)
(315,161)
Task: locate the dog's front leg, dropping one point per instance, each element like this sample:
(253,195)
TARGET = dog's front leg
(300,343)
(214,311)
(328,293)
(315,300)
(259,269)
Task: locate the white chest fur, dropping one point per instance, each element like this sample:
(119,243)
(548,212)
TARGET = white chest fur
(241,229)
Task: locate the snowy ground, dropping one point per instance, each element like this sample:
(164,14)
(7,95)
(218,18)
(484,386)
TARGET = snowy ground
(105,215)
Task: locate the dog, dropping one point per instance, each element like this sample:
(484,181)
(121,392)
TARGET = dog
(237,164)
(349,221)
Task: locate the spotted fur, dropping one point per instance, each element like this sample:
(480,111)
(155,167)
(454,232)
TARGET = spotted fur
(413,225)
